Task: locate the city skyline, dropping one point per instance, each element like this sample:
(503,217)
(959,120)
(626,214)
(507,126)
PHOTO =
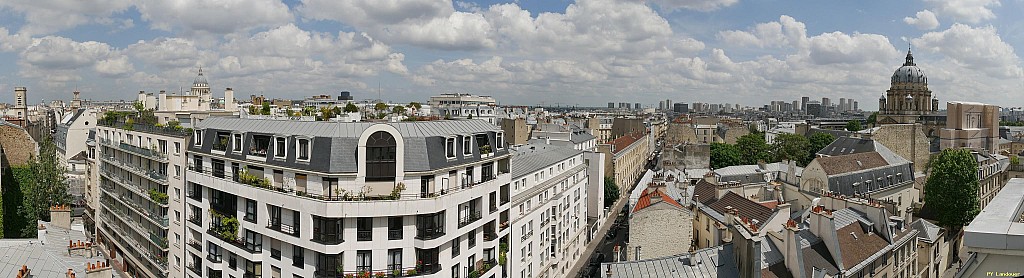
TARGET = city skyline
(585,52)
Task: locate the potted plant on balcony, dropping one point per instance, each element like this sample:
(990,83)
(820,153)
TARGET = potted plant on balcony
(380,275)
(397,191)
(229,228)
(411,272)
(485,149)
(502,253)
(396,273)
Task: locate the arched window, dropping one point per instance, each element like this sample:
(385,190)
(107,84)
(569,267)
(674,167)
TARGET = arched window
(380,157)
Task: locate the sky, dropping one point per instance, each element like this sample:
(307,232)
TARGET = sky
(526,52)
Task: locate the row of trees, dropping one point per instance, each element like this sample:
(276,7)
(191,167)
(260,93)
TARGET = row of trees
(751,148)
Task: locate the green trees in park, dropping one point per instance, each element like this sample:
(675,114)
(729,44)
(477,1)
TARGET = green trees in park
(952,188)
(818,141)
(752,148)
(793,147)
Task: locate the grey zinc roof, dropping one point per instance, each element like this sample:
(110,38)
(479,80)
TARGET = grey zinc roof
(533,157)
(342,129)
(44,260)
(844,183)
(849,216)
(770,254)
(580,137)
(710,262)
(927,231)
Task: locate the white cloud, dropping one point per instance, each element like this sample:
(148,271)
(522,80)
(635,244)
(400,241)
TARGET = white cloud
(970,11)
(787,32)
(837,47)
(698,5)
(168,53)
(54,61)
(924,20)
(48,16)
(215,17)
(974,48)
(426,23)
(11,42)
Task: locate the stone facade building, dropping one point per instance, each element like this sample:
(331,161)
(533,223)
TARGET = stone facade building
(971,125)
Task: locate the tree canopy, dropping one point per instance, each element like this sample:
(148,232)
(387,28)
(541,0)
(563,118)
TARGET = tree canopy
(380,106)
(611,192)
(752,148)
(351,108)
(415,105)
(872,118)
(43,184)
(793,147)
(398,109)
(853,125)
(724,155)
(265,110)
(952,188)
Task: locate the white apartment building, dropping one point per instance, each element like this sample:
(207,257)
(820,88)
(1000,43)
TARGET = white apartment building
(549,205)
(141,178)
(278,198)
(462,106)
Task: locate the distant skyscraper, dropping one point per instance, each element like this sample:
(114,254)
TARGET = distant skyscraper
(668,104)
(855,106)
(796,106)
(842,105)
(611,105)
(814,108)
(825,102)
(681,108)
(661,105)
(637,106)
(803,103)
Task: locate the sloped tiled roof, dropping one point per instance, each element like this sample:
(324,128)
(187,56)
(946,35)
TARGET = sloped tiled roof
(745,207)
(625,141)
(704,192)
(652,196)
(855,245)
(834,165)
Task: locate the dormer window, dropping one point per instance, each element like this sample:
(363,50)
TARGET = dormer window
(450,147)
(280,150)
(500,140)
(303,149)
(381,153)
(236,142)
(199,137)
(466,143)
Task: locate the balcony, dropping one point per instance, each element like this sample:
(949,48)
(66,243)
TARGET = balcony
(175,131)
(284,229)
(429,233)
(153,175)
(469,219)
(196,245)
(364,235)
(196,268)
(196,219)
(395,234)
(391,272)
(159,240)
(329,197)
(327,239)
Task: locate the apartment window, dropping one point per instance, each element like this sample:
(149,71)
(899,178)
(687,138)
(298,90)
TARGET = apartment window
(456,249)
(466,141)
(471,263)
(303,149)
(279,147)
(380,157)
(450,147)
(250,210)
(395,228)
(232,261)
(253,269)
(471,238)
(177,170)
(253,241)
(199,138)
(455,271)
(364,229)
(236,142)
(298,256)
(177,148)
(394,260)
(363,260)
